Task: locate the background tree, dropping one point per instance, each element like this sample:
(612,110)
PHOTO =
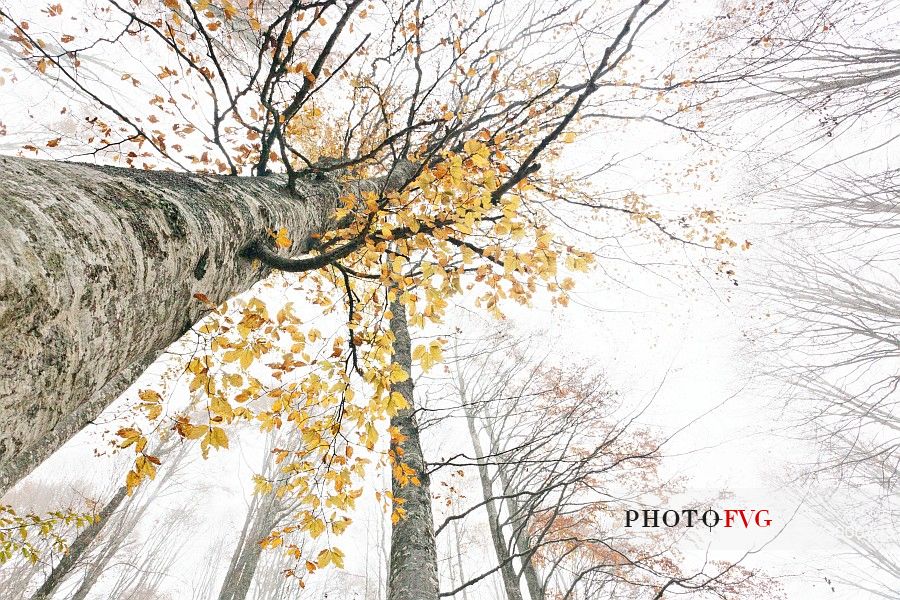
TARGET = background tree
(815,83)
(249,570)
(100,550)
(557,459)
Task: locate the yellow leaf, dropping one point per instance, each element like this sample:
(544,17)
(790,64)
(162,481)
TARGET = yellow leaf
(132,480)
(149,396)
(217,438)
(397,374)
(229,9)
(220,406)
(130,436)
(191,432)
(396,402)
(261,485)
(333,556)
(472,146)
(371,436)
(144,467)
(315,527)
(340,525)
(281,239)
(398,263)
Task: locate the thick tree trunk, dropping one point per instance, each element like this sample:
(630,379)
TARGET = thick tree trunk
(98,266)
(413,564)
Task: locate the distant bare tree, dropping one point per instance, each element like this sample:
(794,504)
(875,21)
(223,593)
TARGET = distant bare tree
(553,460)
(114,545)
(818,83)
(253,572)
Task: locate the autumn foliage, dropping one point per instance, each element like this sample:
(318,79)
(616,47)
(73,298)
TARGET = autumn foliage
(455,98)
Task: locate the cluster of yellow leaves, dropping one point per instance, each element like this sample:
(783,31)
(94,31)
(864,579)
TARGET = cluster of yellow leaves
(25,534)
(448,233)
(310,131)
(144,463)
(444,234)
(398,511)
(705,233)
(266,367)
(428,356)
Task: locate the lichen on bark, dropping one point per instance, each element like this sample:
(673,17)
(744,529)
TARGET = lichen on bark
(98,269)
(413,558)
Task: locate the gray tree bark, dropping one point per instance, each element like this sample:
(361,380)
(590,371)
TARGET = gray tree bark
(413,561)
(523,543)
(76,550)
(98,268)
(262,517)
(507,570)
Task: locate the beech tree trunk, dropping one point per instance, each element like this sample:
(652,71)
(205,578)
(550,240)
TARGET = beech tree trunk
(413,562)
(98,268)
(76,550)
(507,569)
(262,517)
(520,525)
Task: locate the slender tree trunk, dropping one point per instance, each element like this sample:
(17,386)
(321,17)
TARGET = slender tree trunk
(507,570)
(459,555)
(264,514)
(413,564)
(90,578)
(98,268)
(236,555)
(125,521)
(76,550)
(100,560)
(261,519)
(523,543)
